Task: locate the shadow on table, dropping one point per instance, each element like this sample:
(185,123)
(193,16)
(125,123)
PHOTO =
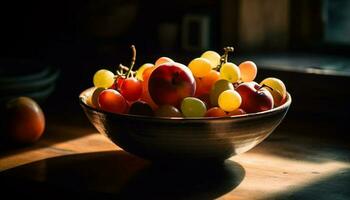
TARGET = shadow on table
(117,174)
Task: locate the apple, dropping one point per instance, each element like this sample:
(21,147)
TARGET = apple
(170,82)
(254,97)
(24,120)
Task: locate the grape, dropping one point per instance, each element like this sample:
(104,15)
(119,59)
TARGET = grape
(147,72)
(112,101)
(103,78)
(248,71)
(167,111)
(219,86)
(163,60)
(213,57)
(215,112)
(117,83)
(193,107)
(145,93)
(131,89)
(238,111)
(276,88)
(140,108)
(229,100)
(205,83)
(95,95)
(200,67)
(139,72)
(230,72)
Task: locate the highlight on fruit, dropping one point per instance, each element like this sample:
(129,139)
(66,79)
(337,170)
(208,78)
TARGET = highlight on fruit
(208,86)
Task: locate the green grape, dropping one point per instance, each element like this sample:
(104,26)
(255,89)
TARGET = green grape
(229,100)
(230,72)
(200,67)
(103,78)
(248,71)
(213,57)
(193,107)
(219,86)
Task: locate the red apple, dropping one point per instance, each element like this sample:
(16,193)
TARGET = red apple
(24,120)
(170,83)
(254,97)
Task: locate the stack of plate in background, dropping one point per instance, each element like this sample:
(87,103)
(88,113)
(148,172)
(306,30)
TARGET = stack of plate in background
(26,78)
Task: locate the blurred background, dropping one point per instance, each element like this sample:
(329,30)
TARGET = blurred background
(305,43)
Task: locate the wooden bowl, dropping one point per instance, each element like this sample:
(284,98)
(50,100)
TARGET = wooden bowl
(190,139)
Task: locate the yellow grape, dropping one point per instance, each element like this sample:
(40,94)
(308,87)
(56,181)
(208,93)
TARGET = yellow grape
(230,72)
(140,71)
(248,71)
(200,67)
(213,57)
(218,87)
(278,91)
(103,78)
(229,100)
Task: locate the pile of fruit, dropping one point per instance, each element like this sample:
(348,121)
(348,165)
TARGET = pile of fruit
(209,86)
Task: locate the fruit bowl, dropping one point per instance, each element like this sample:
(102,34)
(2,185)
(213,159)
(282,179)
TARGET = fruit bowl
(189,139)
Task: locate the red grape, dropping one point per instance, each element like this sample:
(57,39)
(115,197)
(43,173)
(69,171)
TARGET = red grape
(112,101)
(131,89)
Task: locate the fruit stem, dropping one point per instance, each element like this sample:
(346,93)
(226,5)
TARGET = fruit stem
(120,73)
(133,59)
(224,58)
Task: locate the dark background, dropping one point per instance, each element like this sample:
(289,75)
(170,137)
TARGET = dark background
(80,37)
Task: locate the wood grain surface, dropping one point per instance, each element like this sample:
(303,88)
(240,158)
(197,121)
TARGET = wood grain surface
(73,159)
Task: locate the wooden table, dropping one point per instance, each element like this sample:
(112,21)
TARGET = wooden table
(295,162)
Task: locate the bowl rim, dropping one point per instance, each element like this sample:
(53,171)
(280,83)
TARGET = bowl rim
(278,109)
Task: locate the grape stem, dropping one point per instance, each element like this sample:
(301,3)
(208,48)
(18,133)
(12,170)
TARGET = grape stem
(133,59)
(224,58)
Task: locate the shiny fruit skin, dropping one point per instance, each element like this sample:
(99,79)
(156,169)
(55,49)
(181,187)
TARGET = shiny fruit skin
(111,100)
(170,83)
(167,111)
(139,72)
(254,97)
(218,87)
(103,78)
(204,84)
(131,89)
(215,112)
(145,96)
(25,121)
(248,71)
(163,60)
(229,100)
(230,72)
(213,57)
(200,67)
(193,107)
(277,89)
